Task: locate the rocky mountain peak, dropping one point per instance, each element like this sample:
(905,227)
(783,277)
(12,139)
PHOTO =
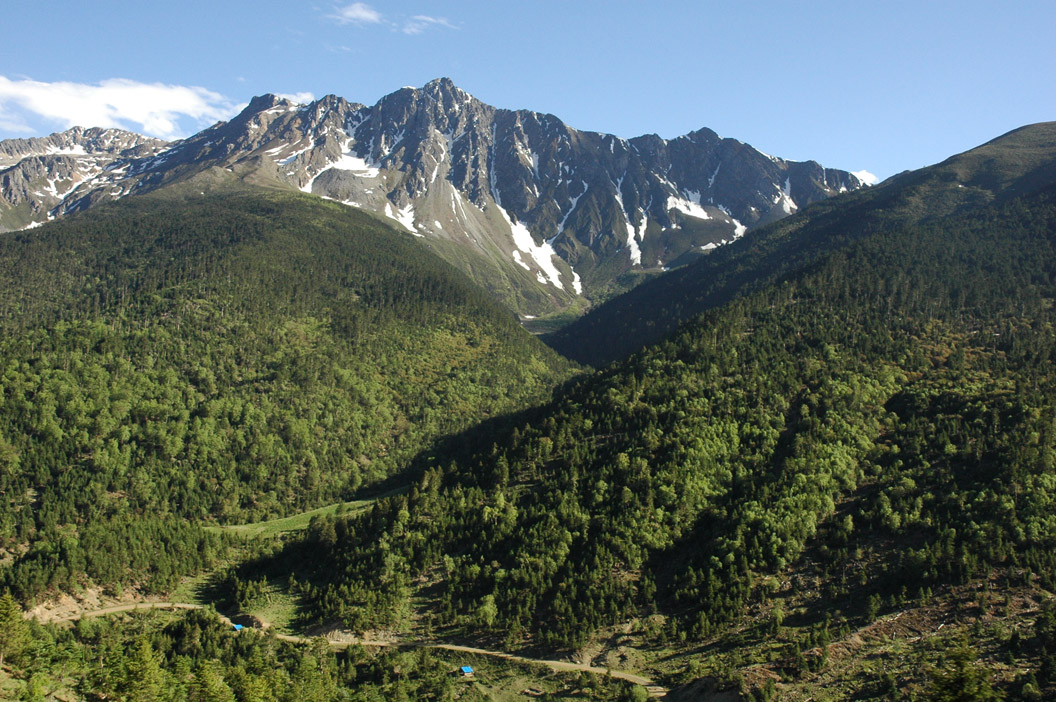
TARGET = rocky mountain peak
(42,178)
(265,102)
(79,141)
(537,206)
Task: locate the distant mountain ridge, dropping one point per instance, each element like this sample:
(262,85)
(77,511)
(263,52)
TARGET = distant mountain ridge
(518,199)
(40,176)
(1013,165)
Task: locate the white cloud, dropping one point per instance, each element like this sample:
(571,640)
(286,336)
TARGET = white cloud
(15,127)
(155,109)
(12,123)
(357,13)
(866,177)
(297,98)
(419,23)
(360,13)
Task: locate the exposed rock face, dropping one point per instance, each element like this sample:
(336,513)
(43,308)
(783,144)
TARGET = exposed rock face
(41,178)
(519,199)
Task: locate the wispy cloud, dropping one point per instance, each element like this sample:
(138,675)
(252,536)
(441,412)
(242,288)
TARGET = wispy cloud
(11,123)
(419,23)
(357,13)
(155,109)
(360,13)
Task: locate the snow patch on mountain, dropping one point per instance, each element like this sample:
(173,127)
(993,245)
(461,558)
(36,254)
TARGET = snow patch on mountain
(357,165)
(632,246)
(738,228)
(456,204)
(404,216)
(688,205)
(568,213)
(632,242)
(75,150)
(292,157)
(542,254)
(785,198)
(711,179)
(347,161)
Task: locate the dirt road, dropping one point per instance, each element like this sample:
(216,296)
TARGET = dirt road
(654,689)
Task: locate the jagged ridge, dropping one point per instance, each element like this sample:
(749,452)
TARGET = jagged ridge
(519,199)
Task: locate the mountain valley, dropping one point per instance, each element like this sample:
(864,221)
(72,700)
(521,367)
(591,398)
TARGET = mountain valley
(279,369)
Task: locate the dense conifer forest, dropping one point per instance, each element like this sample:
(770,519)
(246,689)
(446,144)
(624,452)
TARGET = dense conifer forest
(884,419)
(175,361)
(831,476)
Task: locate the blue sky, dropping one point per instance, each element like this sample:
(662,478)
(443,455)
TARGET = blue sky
(877,86)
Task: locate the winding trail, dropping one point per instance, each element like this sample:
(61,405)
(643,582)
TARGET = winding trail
(564,666)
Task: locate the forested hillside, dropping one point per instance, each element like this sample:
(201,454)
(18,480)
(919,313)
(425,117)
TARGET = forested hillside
(191,358)
(197,657)
(878,427)
(1015,164)
(836,479)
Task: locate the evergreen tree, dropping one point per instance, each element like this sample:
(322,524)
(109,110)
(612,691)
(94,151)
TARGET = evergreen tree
(14,631)
(962,679)
(209,684)
(145,681)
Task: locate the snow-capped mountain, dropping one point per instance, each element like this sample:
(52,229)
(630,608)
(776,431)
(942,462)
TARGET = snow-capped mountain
(547,211)
(40,178)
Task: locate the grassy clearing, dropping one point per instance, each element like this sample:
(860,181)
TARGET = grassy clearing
(548,323)
(299,522)
(514,681)
(278,609)
(191,590)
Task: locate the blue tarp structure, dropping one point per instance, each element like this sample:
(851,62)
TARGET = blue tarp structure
(466,670)
(238,627)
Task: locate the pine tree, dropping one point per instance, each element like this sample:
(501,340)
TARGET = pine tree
(209,684)
(962,679)
(145,679)
(14,631)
